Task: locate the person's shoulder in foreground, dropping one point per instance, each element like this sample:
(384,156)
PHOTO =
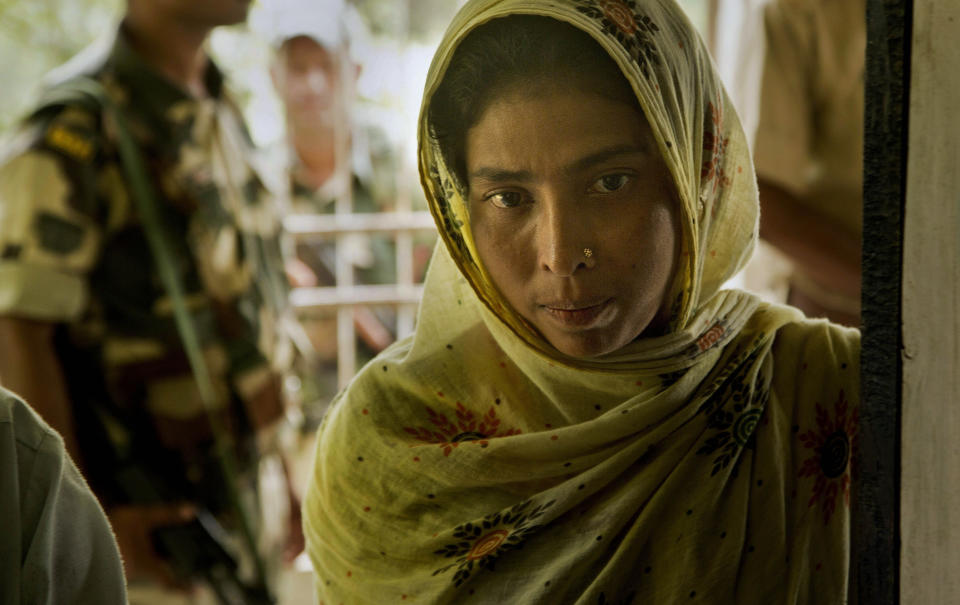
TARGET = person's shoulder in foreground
(57,546)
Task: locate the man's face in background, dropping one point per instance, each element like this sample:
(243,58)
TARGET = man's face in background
(307,77)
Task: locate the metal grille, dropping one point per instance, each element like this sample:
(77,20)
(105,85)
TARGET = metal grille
(346,295)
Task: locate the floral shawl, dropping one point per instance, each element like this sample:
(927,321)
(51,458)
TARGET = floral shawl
(474,463)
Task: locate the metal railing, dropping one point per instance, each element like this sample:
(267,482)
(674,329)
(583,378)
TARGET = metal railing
(346,295)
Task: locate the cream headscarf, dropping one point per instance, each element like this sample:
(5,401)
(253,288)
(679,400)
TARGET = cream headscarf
(475,463)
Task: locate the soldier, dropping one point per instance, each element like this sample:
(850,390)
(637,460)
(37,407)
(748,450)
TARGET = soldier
(87,332)
(333,162)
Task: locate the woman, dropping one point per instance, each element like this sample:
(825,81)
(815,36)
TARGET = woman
(582,415)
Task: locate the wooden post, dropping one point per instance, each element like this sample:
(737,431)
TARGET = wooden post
(930,452)
(876,535)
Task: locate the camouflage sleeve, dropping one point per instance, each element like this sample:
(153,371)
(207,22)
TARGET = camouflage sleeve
(49,235)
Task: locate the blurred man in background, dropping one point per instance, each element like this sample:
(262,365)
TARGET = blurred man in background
(334,165)
(88,334)
(809,150)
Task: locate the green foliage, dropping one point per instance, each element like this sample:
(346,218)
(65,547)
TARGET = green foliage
(416,20)
(38,35)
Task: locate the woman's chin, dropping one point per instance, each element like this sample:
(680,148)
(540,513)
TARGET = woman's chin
(583,346)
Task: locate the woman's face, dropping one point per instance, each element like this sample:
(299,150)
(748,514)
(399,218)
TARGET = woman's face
(554,172)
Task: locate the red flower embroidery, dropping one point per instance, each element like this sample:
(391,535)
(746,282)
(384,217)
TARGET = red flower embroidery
(710,337)
(620,15)
(714,150)
(833,444)
(448,433)
(635,32)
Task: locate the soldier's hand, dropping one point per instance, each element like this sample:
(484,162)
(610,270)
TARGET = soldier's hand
(299,274)
(133,526)
(295,540)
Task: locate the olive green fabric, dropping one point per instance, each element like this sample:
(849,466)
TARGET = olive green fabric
(73,251)
(56,545)
(474,463)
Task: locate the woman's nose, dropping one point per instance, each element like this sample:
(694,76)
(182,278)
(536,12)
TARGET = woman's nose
(563,241)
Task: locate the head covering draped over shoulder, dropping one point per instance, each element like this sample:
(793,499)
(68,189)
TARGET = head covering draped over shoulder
(474,462)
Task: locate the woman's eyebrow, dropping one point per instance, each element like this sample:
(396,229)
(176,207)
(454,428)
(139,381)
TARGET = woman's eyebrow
(598,157)
(500,174)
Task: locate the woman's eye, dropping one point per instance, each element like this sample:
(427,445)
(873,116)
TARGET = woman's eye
(506,199)
(610,183)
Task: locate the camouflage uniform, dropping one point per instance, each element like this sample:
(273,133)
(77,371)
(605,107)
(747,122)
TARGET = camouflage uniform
(73,251)
(372,188)
(373,257)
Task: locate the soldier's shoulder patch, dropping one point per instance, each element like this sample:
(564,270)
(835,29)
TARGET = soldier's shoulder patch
(69,131)
(73,142)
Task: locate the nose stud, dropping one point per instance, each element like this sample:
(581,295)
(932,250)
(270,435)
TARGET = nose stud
(587,252)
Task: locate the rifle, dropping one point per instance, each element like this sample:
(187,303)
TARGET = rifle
(196,550)
(200,545)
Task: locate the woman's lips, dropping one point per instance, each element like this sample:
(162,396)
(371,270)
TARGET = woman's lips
(576,315)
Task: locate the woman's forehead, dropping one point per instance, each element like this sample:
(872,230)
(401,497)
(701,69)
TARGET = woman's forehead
(604,79)
(561,126)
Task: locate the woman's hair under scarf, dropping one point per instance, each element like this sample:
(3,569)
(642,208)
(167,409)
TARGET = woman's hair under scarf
(517,53)
(474,462)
